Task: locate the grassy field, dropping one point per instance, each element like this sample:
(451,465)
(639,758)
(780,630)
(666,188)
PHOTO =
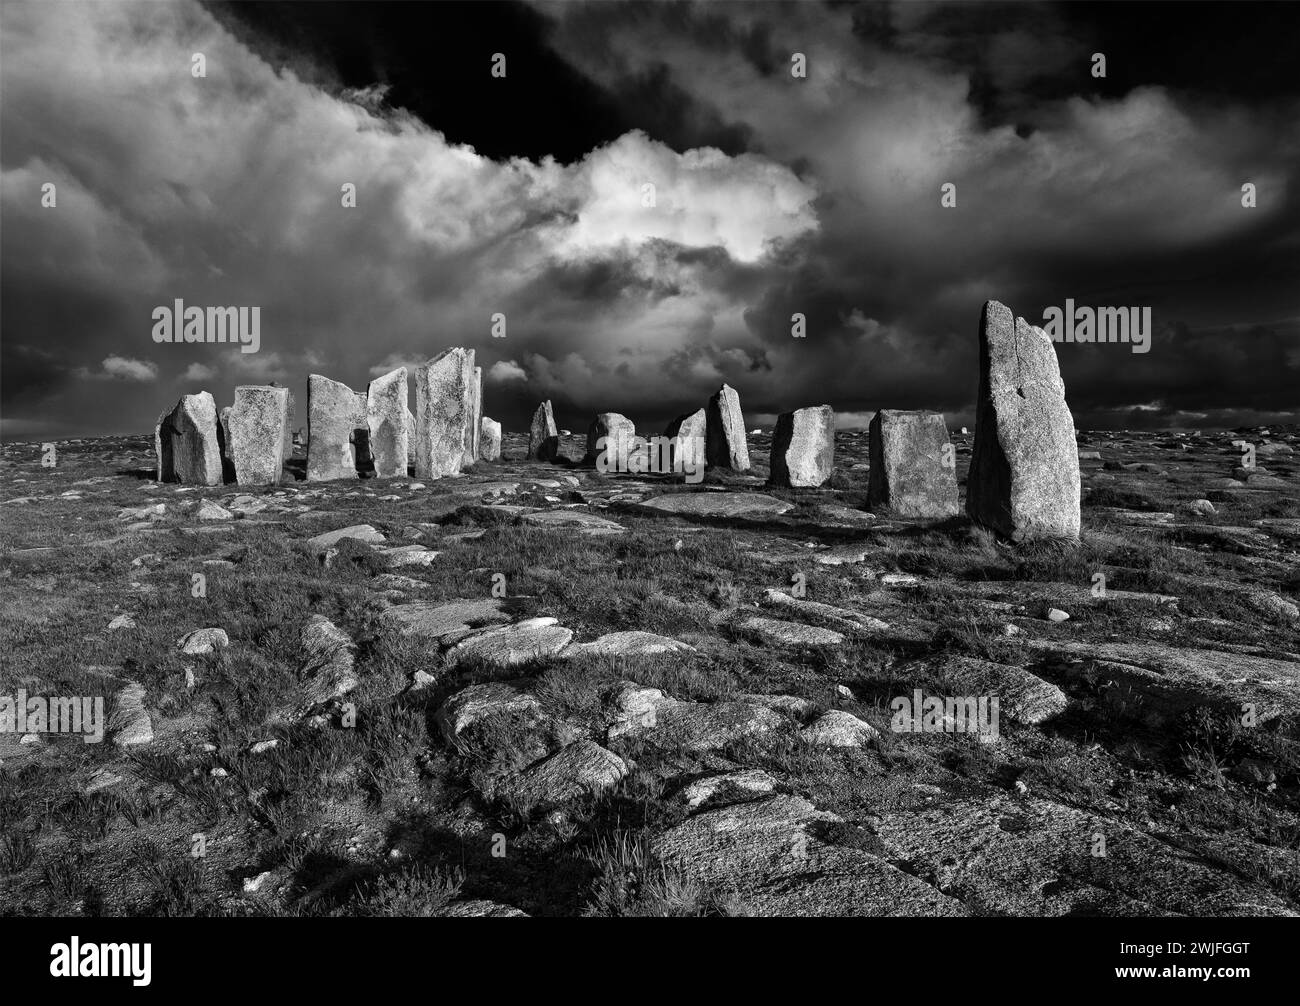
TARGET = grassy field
(362,805)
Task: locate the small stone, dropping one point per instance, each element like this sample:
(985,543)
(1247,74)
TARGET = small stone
(121,622)
(837,728)
(211,511)
(203,641)
(773,630)
(1057,615)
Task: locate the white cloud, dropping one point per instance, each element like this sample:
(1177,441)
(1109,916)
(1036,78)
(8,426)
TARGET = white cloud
(505,370)
(198,372)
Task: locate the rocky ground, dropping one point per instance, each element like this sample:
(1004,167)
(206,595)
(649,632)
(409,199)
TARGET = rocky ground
(539,690)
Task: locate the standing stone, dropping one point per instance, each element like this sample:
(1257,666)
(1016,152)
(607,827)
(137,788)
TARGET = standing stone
(443,408)
(410,437)
(543,440)
(386,414)
(223,442)
(913,465)
(258,432)
(619,431)
(803,447)
(288,424)
(727,446)
(489,439)
(476,418)
(186,444)
(1024,471)
(334,413)
(692,431)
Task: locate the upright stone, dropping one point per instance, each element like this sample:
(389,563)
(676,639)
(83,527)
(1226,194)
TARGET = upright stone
(334,414)
(727,446)
(691,432)
(443,409)
(259,423)
(489,439)
(476,417)
(386,414)
(410,437)
(223,442)
(803,447)
(913,465)
(1024,471)
(543,438)
(186,444)
(618,431)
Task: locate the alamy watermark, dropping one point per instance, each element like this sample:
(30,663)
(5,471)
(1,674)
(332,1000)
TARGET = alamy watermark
(1102,324)
(57,714)
(657,455)
(951,714)
(179,323)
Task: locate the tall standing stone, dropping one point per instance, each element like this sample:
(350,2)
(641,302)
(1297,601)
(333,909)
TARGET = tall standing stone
(386,414)
(334,414)
(1024,471)
(727,446)
(259,422)
(476,418)
(803,447)
(186,444)
(691,432)
(913,465)
(443,410)
(618,431)
(223,442)
(543,438)
(489,439)
(410,437)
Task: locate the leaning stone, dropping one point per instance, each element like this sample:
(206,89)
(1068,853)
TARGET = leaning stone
(386,420)
(185,442)
(543,441)
(803,448)
(489,443)
(444,406)
(259,429)
(913,465)
(726,445)
(1024,470)
(691,431)
(618,432)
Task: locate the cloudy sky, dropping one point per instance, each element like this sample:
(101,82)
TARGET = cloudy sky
(523,195)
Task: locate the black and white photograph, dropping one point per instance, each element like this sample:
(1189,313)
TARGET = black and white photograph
(638,458)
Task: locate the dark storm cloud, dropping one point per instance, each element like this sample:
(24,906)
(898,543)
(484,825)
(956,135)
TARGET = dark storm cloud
(770,197)
(1067,188)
